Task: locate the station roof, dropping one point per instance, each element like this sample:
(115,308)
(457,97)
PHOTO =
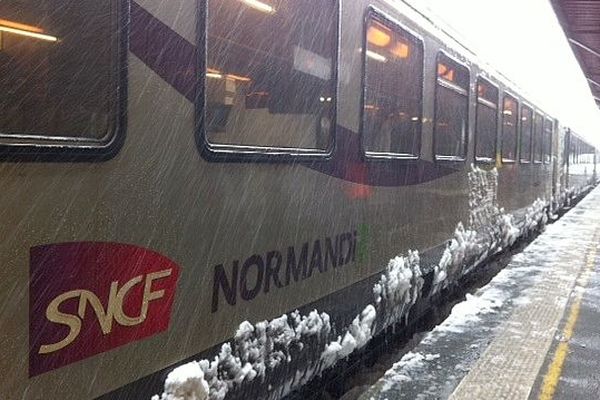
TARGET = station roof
(580,20)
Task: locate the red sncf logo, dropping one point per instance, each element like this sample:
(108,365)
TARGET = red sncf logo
(89,297)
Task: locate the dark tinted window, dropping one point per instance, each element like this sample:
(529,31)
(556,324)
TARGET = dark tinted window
(270,75)
(526,128)
(451,109)
(58,71)
(538,129)
(392,96)
(547,142)
(509,128)
(487,121)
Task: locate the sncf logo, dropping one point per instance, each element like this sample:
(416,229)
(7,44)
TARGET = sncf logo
(87,298)
(114,308)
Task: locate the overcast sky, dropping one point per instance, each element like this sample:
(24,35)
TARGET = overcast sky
(523,40)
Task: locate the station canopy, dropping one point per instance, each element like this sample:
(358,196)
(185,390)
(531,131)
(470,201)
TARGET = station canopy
(580,20)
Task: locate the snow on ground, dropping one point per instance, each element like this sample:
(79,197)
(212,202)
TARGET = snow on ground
(260,349)
(472,323)
(410,363)
(470,310)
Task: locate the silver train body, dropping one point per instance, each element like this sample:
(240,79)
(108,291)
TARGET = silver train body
(127,250)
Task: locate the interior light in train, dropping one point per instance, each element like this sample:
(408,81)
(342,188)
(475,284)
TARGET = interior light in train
(18,28)
(18,25)
(481,90)
(259,5)
(401,50)
(376,56)
(378,36)
(213,74)
(238,78)
(445,72)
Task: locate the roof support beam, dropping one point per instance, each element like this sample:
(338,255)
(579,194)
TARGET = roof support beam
(584,47)
(593,82)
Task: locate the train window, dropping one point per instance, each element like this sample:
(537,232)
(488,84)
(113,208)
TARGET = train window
(392,97)
(270,81)
(509,128)
(60,72)
(572,150)
(547,142)
(538,128)
(486,124)
(526,128)
(451,109)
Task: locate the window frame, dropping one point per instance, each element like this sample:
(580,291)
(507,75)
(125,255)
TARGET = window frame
(531,109)
(457,89)
(41,148)
(215,152)
(537,113)
(544,144)
(394,25)
(483,160)
(509,94)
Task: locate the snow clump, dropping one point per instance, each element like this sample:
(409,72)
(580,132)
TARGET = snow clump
(357,336)
(399,287)
(185,382)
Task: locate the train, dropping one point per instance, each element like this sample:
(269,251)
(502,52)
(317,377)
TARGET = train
(221,199)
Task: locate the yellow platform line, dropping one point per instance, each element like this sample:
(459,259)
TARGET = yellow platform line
(555,369)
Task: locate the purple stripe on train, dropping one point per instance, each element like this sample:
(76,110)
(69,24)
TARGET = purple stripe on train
(174,59)
(164,51)
(348,163)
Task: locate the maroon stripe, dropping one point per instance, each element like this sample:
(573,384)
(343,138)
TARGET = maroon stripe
(348,164)
(162,49)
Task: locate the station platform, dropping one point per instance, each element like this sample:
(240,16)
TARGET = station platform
(532,333)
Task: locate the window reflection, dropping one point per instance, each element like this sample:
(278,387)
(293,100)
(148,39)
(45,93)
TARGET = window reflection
(547,142)
(393,91)
(537,138)
(526,127)
(509,128)
(486,122)
(270,73)
(451,109)
(57,69)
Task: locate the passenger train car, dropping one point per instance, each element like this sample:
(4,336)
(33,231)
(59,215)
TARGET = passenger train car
(170,169)
(581,161)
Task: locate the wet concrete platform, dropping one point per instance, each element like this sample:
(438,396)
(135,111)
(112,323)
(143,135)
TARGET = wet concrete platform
(532,333)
